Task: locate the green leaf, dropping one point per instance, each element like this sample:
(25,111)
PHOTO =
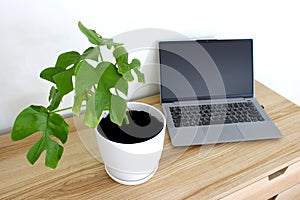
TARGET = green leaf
(78,99)
(86,77)
(63,61)
(52,93)
(97,39)
(62,78)
(140,75)
(53,153)
(63,81)
(77,67)
(117,110)
(37,149)
(37,118)
(110,78)
(91,53)
(92,36)
(54,98)
(57,127)
(29,121)
(90,117)
(102,98)
(110,43)
(49,72)
(125,68)
(66,59)
(121,54)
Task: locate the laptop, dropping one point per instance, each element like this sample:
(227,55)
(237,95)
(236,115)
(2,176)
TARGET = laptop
(207,93)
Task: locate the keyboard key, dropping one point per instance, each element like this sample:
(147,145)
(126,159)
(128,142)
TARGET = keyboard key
(192,123)
(260,119)
(205,122)
(217,122)
(177,124)
(247,119)
(234,120)
(228,121)
(241,120)
(185,124)
(177,121)
(176,116)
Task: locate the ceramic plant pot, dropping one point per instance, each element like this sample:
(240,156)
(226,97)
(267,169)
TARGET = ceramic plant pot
(134,163)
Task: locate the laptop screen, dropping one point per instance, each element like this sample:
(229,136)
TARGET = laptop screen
(206,69)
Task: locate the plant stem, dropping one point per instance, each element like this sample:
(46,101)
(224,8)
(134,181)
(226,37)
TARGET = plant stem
(117,93)
(101,57)
(63,109)
(129,110)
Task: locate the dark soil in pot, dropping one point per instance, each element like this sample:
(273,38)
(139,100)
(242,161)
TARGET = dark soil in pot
(142,127)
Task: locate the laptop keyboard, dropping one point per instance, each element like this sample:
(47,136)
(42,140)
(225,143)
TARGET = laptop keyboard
(201,115)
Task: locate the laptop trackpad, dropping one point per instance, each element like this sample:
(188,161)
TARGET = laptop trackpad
(216,134)
(261,130)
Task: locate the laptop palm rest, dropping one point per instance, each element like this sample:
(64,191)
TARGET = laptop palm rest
(259,131)
(206,135)
(220,134)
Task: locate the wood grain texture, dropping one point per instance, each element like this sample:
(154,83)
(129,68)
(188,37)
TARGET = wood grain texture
(198,172)
(291,193)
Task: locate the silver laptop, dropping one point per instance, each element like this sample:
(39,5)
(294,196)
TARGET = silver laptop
(207,92)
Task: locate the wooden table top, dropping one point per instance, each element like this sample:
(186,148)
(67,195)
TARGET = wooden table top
(208,171)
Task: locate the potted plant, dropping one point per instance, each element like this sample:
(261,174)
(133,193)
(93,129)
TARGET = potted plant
(130,135)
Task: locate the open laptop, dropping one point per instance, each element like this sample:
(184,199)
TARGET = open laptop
(207,92)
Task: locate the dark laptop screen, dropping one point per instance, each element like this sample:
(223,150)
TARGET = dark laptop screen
(206,69)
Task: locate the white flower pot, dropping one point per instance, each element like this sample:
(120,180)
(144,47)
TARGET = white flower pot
(133,164)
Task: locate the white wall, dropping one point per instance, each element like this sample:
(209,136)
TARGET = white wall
(34,32)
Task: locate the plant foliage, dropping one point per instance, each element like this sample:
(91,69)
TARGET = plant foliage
(92,87)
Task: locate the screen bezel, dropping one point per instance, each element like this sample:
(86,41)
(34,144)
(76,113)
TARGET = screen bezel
(246,95)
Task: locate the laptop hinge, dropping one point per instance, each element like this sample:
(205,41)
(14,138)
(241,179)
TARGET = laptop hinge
(211,101)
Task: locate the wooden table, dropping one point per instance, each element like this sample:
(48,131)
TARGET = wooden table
(257,169)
